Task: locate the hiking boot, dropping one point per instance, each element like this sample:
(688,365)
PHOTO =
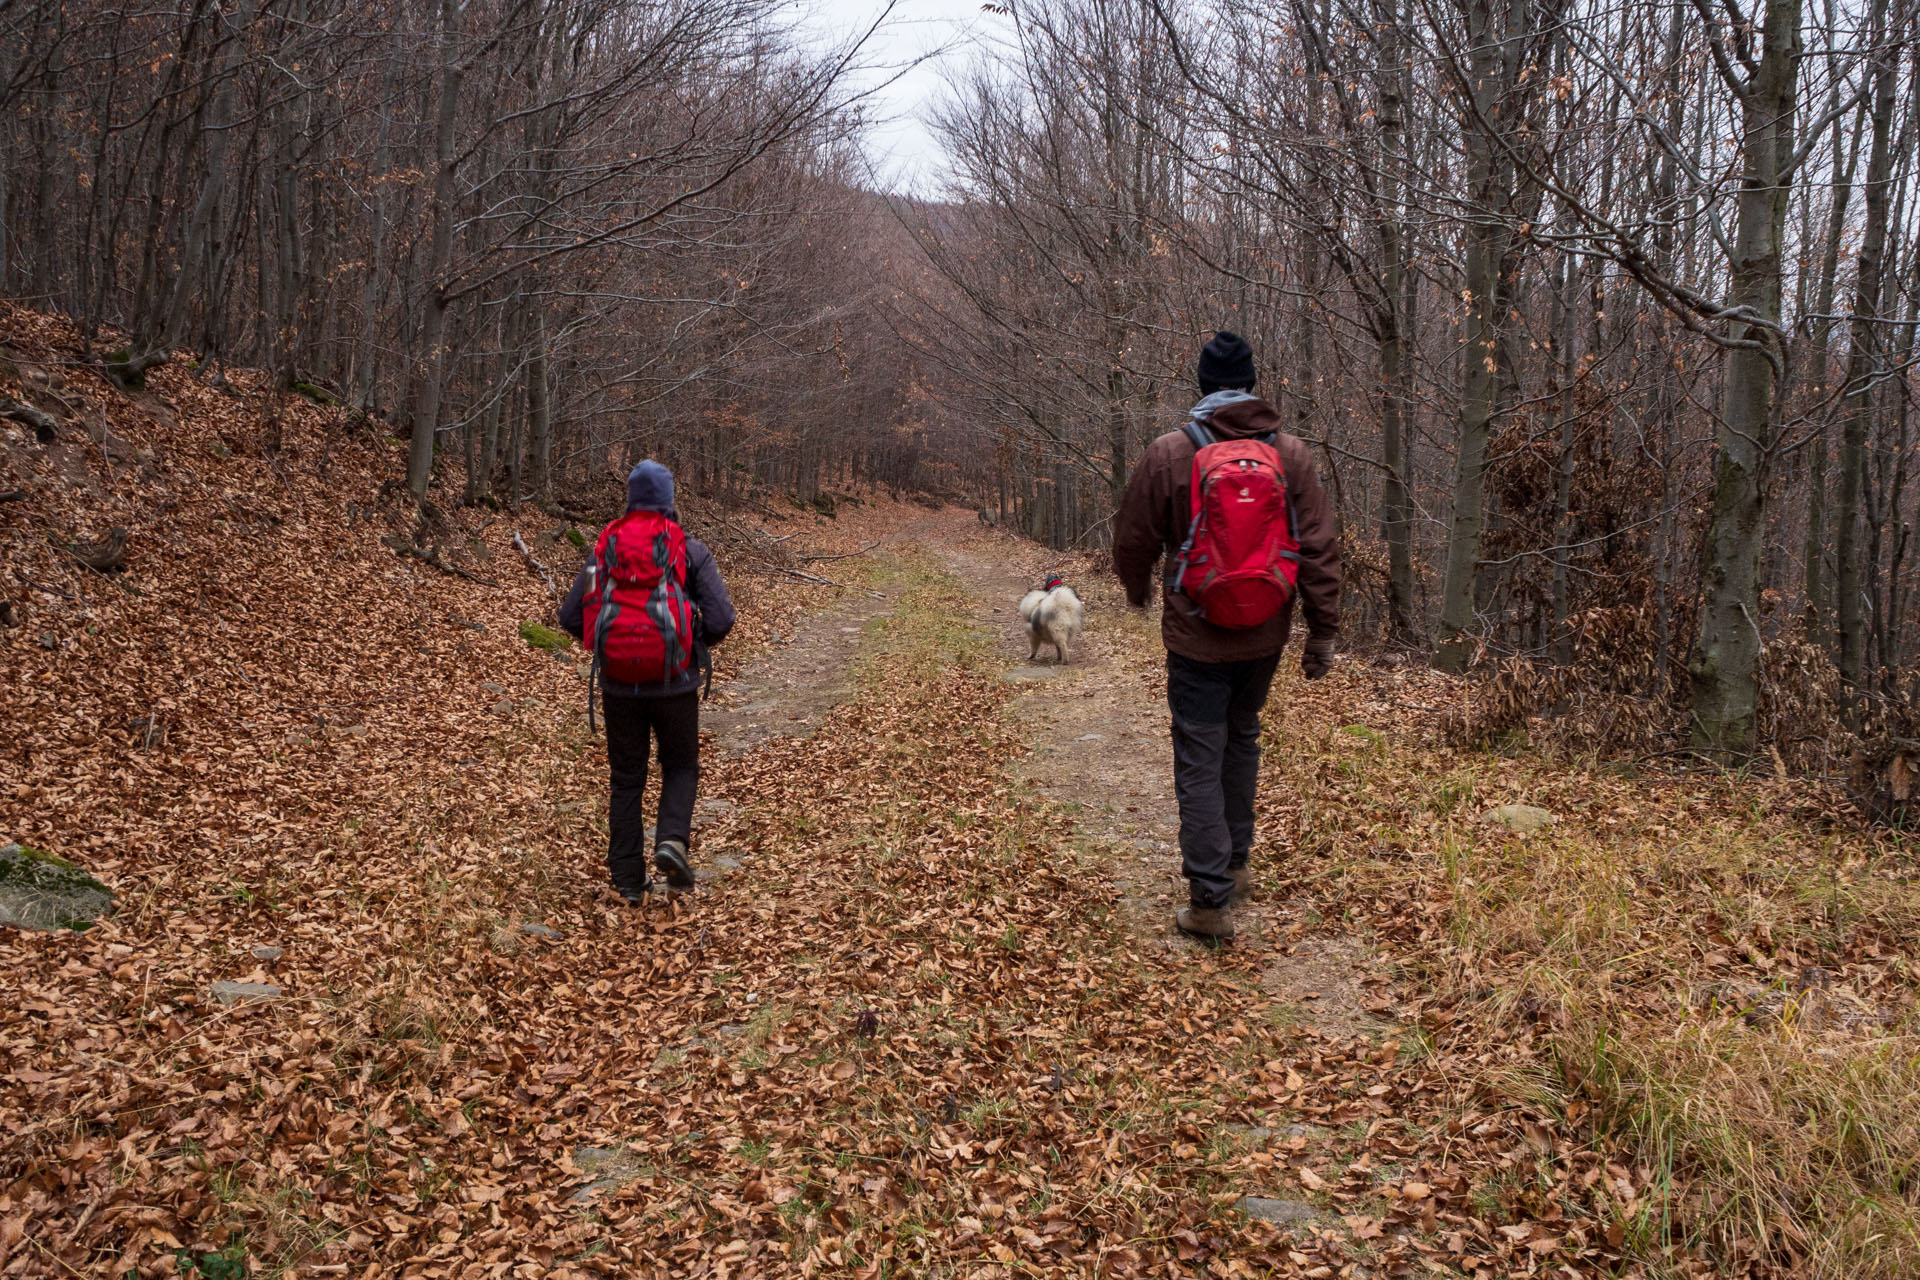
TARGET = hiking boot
(1242,884)
(670,857)
(634,895)
(1209,924)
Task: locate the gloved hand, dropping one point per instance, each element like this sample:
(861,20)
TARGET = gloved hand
(1318,659)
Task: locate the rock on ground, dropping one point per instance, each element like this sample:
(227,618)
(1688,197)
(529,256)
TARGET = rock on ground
(245,992)
(1522,818)
(1280,1212)
(40,891)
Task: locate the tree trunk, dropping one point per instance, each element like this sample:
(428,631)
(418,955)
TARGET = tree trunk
(1726,659)
(1863,363)
(1480,388)
(1567,337)
(539,413)
(1396,506)
(1819,589)
(433,330)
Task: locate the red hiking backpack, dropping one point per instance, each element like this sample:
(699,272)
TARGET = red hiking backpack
(1240,560)
(639,621)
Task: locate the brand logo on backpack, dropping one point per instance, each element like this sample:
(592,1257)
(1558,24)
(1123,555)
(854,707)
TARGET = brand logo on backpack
(1240,561)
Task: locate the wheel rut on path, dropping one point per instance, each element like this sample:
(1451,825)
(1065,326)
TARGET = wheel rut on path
(789,691)
(1102,746)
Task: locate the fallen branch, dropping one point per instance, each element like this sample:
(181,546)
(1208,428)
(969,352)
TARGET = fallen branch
(431,556)
(845,555)
(526,554)
(45,429)
(16,495)
(105,555)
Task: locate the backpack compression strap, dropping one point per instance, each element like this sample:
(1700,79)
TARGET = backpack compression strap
(603,585)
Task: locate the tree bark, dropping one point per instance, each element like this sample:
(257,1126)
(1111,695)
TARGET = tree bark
(433,330)
(1480,388)
(1726,661)
(1396,506)
(1863,363)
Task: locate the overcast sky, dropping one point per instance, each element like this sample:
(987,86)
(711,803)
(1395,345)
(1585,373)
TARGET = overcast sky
(905,154)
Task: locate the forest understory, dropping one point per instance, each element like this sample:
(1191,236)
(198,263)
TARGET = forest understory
(924,1016)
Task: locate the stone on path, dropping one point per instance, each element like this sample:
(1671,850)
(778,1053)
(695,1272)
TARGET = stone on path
(607,1166)
(504,707)
(1279,1212)
(495,689)
(1524,819)
(268,953)
(539,930)
(245,992)
(41,891)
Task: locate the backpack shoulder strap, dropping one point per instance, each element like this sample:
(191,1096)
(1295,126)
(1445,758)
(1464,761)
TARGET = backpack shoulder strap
(1198,433)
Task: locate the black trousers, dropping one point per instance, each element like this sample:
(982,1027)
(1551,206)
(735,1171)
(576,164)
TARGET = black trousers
(1216,766)
(633,725)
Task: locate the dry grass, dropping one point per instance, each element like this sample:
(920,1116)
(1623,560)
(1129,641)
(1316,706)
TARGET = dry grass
(1716,975)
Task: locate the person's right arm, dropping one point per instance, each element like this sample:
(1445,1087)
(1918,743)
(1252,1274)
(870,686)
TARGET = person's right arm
(1140,527)
(573,613)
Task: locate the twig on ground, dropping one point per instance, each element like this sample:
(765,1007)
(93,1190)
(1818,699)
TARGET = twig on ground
(845,555)
(814,577)
(428,555)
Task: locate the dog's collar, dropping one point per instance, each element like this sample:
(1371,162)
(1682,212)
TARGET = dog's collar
(1052,583)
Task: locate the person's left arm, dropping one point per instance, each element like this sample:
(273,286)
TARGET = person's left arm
(708,591)
(1318,534)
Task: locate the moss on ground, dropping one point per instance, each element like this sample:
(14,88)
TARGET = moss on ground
(544,637)
(42,890)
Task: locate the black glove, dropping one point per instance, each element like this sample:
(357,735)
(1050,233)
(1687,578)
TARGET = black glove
(1318,658)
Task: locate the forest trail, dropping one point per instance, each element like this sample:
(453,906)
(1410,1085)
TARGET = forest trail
(363,1002)
(1097,725)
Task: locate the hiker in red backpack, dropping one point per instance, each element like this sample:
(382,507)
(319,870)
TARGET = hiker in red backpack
(648,603)
(1235,506)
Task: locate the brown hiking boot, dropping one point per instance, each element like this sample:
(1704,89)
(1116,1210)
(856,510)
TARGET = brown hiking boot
(1209,924)
(670,856)
(1242,883)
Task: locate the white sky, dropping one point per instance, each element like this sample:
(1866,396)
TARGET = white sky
(905,155)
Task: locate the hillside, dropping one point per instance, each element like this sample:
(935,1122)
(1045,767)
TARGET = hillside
(924,1015)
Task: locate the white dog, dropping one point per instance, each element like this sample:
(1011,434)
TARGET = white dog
(1054,615)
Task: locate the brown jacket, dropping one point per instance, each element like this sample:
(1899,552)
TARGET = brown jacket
(1152,522)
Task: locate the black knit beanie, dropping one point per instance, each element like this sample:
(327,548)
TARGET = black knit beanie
(1226,361)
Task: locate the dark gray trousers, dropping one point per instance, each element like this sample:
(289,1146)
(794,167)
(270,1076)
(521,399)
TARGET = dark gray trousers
(634,724)
(1216,765)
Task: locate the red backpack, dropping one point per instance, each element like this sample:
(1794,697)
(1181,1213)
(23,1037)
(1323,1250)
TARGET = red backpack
(1240,560)
(639,621)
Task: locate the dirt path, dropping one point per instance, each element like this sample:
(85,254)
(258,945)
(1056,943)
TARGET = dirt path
(1100,737)
(788,691)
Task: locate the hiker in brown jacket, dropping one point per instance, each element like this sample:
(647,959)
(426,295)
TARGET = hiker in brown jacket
(1217,678)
